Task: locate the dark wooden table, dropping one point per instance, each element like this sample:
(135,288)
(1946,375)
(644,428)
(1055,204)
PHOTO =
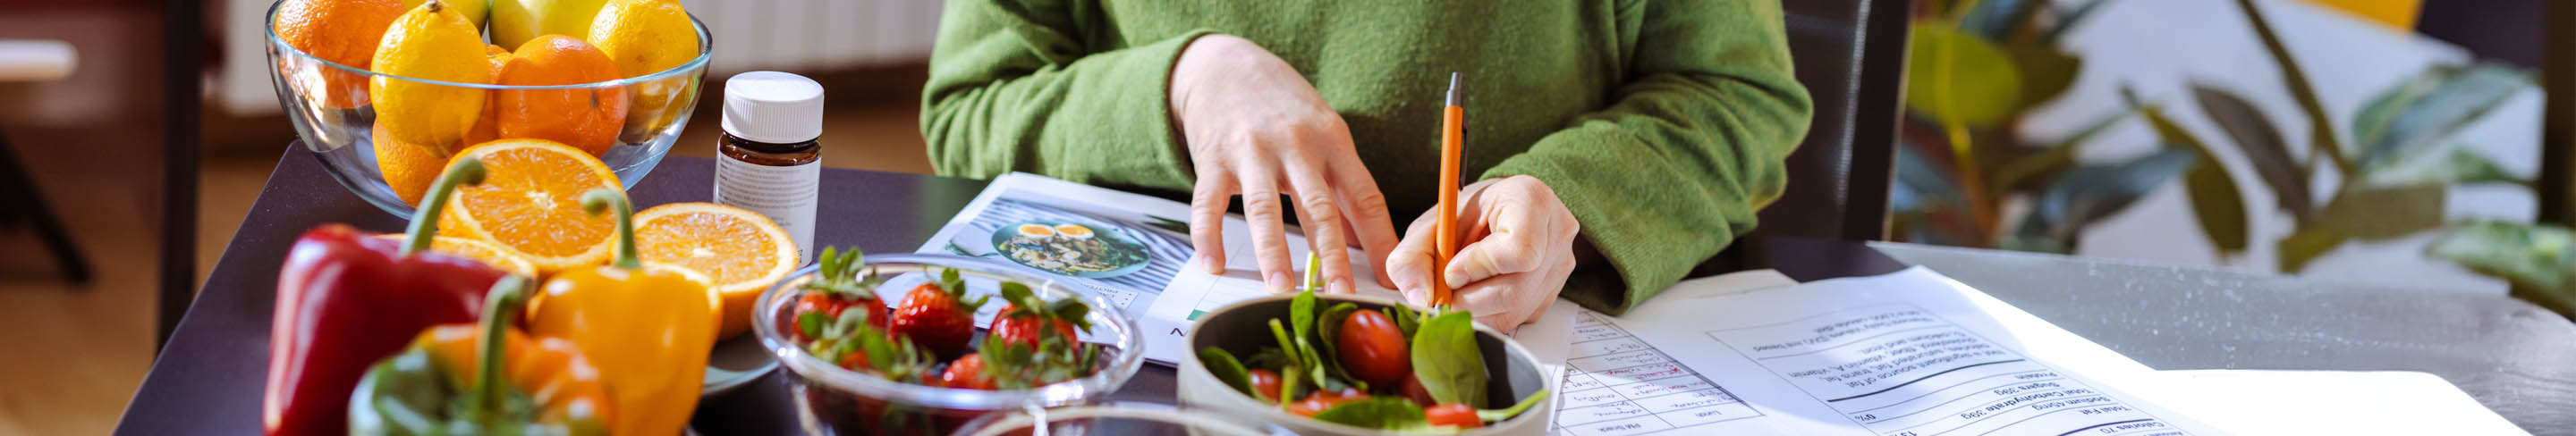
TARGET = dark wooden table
(2515,358)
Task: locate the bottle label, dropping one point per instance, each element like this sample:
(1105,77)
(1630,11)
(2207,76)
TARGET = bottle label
(786,194)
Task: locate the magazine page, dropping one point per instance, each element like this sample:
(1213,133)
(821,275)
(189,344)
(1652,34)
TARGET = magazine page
(1135,246)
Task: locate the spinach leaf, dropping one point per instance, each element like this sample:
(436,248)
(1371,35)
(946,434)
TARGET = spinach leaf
(1378,413)
(1447,362)
(1226,368)
(1328,329)
(1406,320)
(1498,415)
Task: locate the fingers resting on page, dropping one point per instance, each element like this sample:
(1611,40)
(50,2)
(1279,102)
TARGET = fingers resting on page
(1257,130)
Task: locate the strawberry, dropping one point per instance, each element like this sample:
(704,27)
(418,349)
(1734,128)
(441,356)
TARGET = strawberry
(966,373)
(838,285)
(1010,365)
(936,316)
(1024,318)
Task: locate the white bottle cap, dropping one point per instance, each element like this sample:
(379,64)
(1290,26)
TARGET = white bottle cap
(773,107)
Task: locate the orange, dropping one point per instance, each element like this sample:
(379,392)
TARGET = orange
(408,168)
(585,118)
(340,31)
(485,128)
(494,255)
(530,203)
(740,251)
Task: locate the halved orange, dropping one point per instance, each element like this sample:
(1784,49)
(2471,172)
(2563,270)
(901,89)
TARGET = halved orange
(494,255)
(742,252)
(530,203)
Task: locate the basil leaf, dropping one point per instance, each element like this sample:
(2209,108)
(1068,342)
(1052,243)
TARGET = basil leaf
(1301,314)
(1328,329)
(1445,358)
(1226,368)
(1498,415)
(1406,320)
(1378,413)
(811,323)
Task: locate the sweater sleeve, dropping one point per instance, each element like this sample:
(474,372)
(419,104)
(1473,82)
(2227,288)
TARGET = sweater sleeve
(1692,144)
(1014,87)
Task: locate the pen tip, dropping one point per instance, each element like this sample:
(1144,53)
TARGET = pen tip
(1455,98)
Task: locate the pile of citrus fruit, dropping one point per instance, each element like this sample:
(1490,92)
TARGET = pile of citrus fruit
(420,123)
(541,147)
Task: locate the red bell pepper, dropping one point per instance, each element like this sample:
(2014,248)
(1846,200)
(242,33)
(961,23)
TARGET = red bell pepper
(346,300)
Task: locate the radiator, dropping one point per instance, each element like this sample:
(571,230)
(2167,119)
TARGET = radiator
(803,36)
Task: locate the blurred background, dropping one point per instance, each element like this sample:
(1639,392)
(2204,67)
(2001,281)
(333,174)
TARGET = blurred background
(2405,148)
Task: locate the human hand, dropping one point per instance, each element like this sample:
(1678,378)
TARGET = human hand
(1257,128)
(1518,249)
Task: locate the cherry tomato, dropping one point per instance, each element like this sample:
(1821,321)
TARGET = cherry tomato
(1266,383)
(1322,401)
(1373,349)
(1413,390)
(1453,414)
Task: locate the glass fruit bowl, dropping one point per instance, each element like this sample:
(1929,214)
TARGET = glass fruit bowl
(333,112)
(834,400)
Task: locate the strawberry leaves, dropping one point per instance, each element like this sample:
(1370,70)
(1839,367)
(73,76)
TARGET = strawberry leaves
(839,274)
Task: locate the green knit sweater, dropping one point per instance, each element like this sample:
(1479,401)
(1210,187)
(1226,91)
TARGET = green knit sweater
(1661,123)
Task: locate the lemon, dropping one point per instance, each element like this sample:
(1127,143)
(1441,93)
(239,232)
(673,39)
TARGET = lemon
(430,42)
(474,10)
(515,22)
(644,37)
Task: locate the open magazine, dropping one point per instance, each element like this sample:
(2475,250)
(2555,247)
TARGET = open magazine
(1135,246)
(1905,354)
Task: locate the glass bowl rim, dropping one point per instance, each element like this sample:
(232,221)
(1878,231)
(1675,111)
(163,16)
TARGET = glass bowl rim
(1166,413)
(706,52)
(1122,365)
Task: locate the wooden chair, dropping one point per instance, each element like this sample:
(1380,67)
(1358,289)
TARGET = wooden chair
(20,201)
(1850,54)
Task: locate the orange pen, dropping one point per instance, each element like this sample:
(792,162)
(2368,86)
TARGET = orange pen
(1453,138)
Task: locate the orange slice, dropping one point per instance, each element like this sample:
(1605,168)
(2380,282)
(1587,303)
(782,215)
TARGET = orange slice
(494,255)
(742,252)
(530,203)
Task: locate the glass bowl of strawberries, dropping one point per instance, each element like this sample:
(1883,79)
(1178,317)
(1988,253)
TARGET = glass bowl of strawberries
(889,344)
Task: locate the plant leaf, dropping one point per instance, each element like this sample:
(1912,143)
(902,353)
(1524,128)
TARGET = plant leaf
(2305,245)
(1957,79)
(2406,121)
(1328,328)
(2459,166)
(2069,20)
(2092,192)
(2028,170)
(2045,72)
(2262,145)
(1923,185)
(2321,133)
(1998,20)
(2532,256)
(2219,205)
(2215,201)
(1497,415)
(2382,212)
(1447,362)
(1223,365)
(1387,413)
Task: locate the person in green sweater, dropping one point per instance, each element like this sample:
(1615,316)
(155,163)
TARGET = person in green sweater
(1614,143)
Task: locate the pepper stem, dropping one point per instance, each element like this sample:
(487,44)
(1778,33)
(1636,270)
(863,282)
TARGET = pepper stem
(498,308)
(610,200)
(466,170)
